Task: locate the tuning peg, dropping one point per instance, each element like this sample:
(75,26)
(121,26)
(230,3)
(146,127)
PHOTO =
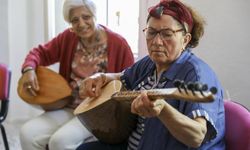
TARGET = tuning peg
(184,86)
(200,87)
(204,87)
(190,86)
(197,86)
(178,84)
(213,90)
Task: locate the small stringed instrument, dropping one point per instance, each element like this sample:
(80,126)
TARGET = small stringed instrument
(109,116)
(54,92)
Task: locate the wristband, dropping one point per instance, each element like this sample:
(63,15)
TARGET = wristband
(27,69)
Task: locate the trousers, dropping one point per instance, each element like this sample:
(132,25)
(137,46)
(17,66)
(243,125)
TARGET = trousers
(59,130)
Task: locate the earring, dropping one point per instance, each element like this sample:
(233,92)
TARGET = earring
(71,30)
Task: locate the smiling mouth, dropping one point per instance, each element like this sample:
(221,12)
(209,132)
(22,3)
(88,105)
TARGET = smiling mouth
(83,30)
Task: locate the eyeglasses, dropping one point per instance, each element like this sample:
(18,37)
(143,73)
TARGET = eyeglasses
(165,34)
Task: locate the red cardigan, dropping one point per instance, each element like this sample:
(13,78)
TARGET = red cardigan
(61,49)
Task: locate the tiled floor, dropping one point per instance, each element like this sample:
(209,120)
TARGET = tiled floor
(12,131)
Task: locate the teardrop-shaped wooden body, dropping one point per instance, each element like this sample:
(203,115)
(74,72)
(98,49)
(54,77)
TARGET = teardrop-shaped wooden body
(107,92)
(53,89)
(111,121)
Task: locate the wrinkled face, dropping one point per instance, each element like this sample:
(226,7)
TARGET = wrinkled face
(165,39)
(83,22)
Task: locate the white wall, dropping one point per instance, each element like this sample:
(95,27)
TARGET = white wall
(4,32)
(225,44)
(25,30)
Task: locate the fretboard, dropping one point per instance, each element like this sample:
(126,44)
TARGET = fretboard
(170,93)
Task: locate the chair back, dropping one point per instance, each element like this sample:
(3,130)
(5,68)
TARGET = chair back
(4,82)
(237,126)
(5,75)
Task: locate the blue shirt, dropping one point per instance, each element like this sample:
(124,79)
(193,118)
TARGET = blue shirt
(187,67)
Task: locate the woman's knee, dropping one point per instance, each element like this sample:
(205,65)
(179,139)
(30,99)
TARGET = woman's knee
(26,133)
(59,141)
(31,138)
(56,143)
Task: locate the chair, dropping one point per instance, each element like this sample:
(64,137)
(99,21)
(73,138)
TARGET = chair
(5,75)
(237,126)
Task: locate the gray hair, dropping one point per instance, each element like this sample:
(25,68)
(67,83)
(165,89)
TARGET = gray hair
(71,4)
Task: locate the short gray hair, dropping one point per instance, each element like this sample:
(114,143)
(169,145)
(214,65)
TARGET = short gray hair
(70,4)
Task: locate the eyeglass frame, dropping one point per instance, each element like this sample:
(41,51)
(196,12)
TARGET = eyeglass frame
(160,31)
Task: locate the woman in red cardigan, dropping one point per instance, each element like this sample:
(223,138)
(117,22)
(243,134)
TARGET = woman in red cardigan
(82,50)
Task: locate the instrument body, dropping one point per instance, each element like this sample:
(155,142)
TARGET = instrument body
(111,122)
(109,116)
(54,92)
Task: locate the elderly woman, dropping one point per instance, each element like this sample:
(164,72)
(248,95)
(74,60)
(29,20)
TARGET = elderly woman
(172,29)
(82,50)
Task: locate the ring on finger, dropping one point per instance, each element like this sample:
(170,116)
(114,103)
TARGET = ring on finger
(29,87)
(138,112)
(141,114)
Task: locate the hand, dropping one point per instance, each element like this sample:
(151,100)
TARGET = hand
(91,86)
(30,82)
(143,106)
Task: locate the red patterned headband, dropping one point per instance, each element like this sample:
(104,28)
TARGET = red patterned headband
(175,9)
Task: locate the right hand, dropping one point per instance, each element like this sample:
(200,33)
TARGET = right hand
(30,82)
(91,86)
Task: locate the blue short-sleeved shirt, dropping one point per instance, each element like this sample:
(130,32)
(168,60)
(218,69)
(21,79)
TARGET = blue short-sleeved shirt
(187,67)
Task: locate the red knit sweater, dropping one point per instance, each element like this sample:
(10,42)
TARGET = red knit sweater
(61,49)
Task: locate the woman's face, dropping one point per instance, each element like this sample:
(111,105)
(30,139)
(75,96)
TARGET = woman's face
(165,40)
(83,22)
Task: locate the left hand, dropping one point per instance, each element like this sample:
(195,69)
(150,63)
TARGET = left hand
(143,106)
